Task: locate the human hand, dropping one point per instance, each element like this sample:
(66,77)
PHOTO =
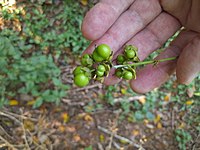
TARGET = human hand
(147,25)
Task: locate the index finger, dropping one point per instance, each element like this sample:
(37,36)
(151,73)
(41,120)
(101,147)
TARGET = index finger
(101,17)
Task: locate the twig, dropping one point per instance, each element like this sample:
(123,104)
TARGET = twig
(8,135)
(120,137)
(70,103)
(195,142)
(7,143)
(172,119)
(100,147)
(145,62)
(130,99)
(117,146)
(9,116)
(86,88)
(37,145)
(24,131)
(21,116)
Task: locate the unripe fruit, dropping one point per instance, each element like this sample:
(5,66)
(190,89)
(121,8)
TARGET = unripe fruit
(96,57)
(78,70)
(130,53)
(81,80)
(100,73)
(103,51)
(118,73)
(101,68)
(127,75)
(120,59)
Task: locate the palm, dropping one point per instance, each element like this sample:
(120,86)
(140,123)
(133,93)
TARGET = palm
(144,24)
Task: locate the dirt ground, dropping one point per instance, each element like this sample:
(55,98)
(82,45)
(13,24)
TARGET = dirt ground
(70,127)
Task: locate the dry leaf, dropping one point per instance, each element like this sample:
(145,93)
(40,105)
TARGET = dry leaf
(29,125)
(102,138)
(123,91)
(76,138)
(61,128)
(159,125)
(182,125)
(135,132)
(71,129)
(190,92)
(13,102)
(189,102)
(30,103)
(142,100)
(88,118)
(84,2)
(157,119)
(167,97)
(65,117)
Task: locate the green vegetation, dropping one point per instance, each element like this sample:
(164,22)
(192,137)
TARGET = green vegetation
(34,40)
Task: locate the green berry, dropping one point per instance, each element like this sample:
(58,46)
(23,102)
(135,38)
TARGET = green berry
(103,51)
(100,73)
(78,70)
(101,68)
(130,53)
(127,75)
(96,57)
(118,73)
(86,60)
(81,80)
(120,59)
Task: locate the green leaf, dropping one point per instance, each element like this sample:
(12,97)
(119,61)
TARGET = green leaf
(88,148)
(38,102)
(150,116)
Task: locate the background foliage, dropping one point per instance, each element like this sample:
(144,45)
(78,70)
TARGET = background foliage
(34,41)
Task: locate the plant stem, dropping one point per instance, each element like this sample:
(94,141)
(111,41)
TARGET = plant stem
(145,62)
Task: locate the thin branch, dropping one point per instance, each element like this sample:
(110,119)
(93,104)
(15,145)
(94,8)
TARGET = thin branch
(7,143)
(21,116)
(70,103)
(11,117)
(120,137)
(130,99)
(86,88)
(8,135)
(145,62)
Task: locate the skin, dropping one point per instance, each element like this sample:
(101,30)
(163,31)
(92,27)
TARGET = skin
(147,25)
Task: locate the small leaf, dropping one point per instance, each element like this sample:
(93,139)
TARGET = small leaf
(102,138)
(30,103)
(84,2)
(167,97)
(142,100)
(13,102)
(38,102)
(65,117)
(88,148)
(123,91)
(189,102)
(135,132)
(157,119)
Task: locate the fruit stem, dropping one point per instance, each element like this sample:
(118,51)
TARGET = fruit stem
(145,62)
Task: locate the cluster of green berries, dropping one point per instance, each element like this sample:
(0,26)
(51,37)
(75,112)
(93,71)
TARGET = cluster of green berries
(93,66)
(97,65)
(129,56)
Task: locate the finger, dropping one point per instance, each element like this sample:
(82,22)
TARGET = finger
(188,65)
(130,22)
(150,38)
(154,35)
(100,18)
(186,11)
(151,77)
